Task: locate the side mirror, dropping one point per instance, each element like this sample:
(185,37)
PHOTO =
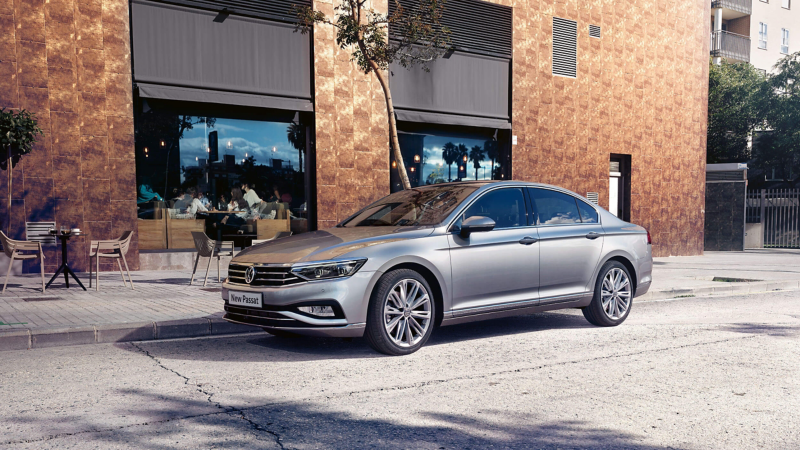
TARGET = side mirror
(476,224)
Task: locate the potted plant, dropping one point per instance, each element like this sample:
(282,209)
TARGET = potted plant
(18,132)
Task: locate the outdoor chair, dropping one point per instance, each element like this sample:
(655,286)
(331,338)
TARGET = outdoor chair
(115,249)
(209,248)
(14,250)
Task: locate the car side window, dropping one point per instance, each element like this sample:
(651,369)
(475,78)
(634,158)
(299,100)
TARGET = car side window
(588,214)
(505,206)
(555,208)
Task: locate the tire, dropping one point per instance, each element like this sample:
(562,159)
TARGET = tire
(619,298)
(280,333)
(401,313)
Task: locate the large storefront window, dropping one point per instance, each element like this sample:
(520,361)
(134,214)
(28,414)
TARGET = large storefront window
(443,154)
(233,174)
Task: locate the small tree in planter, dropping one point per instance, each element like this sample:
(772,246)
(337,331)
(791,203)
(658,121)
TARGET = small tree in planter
(18,133)
(421,38)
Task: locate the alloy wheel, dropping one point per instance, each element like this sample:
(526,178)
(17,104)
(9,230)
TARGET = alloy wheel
(616,293)
(407,312)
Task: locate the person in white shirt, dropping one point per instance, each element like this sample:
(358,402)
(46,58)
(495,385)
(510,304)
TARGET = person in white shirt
(250,196)
(196,205)
(203,199)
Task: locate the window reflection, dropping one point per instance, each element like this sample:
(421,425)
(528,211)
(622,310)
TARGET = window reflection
(441,156)
(195,169)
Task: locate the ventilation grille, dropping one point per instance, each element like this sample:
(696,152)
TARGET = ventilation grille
(475,26)
(725,175)
(594,31)
(565,47)
(593,197)
(40,232)
(614,167)
(265,9)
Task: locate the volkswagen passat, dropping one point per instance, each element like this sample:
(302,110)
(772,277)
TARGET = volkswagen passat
(441,255)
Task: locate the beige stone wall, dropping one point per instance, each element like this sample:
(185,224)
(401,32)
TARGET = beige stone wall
(68,61)
(352,131)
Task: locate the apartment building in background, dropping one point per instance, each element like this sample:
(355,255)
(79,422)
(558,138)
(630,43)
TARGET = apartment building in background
(760,32)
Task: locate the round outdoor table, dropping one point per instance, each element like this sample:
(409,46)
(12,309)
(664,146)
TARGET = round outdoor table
(64,265)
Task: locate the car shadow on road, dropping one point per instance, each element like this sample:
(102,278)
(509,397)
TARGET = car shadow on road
(171,420)
(265,348)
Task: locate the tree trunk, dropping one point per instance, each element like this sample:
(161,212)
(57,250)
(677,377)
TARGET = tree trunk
(398,155)
(449,172)
(387,96)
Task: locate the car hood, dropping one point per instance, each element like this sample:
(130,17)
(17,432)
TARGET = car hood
(325,244)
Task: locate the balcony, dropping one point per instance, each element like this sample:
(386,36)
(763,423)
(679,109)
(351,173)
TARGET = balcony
(730,46)
(733,9)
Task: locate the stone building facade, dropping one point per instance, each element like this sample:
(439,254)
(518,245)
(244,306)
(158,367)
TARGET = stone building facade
(640,92)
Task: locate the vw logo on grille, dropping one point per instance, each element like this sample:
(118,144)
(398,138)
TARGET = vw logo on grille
(249,274)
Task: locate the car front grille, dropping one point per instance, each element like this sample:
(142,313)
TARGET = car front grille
(265,276)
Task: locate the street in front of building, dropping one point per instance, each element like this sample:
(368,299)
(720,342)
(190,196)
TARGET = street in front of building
(714,372)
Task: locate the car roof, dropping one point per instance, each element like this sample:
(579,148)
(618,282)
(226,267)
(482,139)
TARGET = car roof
(483,183)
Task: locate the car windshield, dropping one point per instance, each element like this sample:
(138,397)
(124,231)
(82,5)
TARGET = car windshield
(412,207)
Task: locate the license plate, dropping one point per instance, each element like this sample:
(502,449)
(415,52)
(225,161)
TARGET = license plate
(251,299)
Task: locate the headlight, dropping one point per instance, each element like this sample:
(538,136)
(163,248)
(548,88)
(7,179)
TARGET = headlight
(337,269)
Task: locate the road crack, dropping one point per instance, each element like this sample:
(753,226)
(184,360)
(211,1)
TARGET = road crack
(278,438)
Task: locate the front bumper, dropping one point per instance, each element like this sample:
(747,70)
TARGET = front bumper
(348,296)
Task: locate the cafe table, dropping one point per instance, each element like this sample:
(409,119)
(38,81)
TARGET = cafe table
(64,268)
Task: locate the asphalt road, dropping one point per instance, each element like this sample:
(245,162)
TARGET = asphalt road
(688,373)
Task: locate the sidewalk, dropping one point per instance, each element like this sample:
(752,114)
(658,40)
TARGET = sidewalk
(164,306)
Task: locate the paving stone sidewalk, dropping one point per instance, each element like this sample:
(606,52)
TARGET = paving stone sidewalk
(164,306)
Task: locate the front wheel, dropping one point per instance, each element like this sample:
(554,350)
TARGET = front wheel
(401,313)
(613,296)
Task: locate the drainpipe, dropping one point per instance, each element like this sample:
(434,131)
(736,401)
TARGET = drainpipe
(717,33)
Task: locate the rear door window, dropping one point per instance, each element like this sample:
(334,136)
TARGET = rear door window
(588,214)
(554,208)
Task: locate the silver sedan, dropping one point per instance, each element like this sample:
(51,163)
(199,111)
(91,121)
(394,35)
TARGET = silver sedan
(441,255)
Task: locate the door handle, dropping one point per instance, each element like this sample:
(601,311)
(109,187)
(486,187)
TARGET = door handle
(527,240)
(593,235)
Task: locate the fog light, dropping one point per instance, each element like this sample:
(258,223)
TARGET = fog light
(321,311)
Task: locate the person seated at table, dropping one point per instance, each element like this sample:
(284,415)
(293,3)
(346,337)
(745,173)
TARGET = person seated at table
(232,222)
(250,196)
(196,205)
(222,203)
(147,194)
(183,201)
(204,199)
(276,194)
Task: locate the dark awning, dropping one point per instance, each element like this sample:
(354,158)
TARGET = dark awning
(221,97)
(451,119)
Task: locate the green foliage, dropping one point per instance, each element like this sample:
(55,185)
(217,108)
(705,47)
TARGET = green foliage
(780,147)
(421,37)
(18,133)
(737,101)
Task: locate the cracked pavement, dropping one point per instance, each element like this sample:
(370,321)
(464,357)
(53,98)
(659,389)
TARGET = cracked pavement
(716,372)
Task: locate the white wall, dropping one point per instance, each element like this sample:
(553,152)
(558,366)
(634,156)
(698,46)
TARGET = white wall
(776,17)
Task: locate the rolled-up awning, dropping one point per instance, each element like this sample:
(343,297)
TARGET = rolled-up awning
(451,119)
(221,97)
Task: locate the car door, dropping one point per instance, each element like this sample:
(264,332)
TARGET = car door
(570,243)
(498,266)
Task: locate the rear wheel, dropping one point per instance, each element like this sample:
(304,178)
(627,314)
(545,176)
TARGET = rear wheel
(613,296)
(401,313)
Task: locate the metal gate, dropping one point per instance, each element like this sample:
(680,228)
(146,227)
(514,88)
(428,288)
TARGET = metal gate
(778,212)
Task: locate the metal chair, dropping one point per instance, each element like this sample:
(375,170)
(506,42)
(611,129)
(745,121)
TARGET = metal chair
(114,248)
(13,249)
(209,248)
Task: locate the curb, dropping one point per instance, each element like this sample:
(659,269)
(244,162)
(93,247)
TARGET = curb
(724,289)
(25,338)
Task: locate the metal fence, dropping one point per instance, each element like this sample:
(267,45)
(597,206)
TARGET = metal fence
(778,211)
(743,6)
